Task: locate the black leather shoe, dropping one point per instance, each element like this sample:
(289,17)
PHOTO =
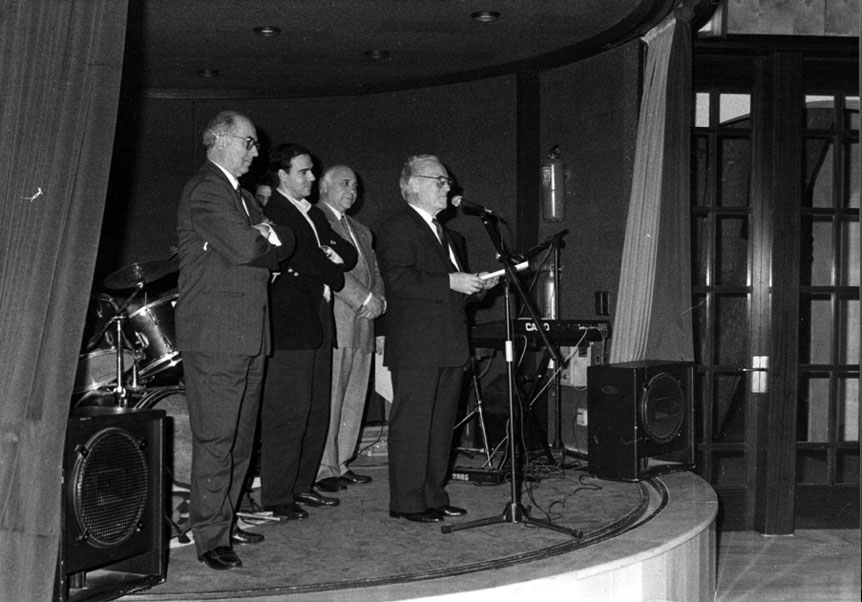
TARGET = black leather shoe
(312,498)
(238,536)
(330,484)
(449,511)
(285,512)
(428,516)
(222,558)
(351,478)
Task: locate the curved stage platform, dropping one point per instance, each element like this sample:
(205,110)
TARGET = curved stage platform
(648,541)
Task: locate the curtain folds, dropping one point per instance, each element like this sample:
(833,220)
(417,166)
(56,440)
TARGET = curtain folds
(61,64)
(653,317)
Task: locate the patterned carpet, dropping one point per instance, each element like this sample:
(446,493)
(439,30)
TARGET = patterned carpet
(357,544)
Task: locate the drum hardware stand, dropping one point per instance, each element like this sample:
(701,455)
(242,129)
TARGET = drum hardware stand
(478,410)
(515,511)
(121,391)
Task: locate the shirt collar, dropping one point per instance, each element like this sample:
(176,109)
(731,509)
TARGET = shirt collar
(424,215)
(301,204)
(234,182)
(338,214)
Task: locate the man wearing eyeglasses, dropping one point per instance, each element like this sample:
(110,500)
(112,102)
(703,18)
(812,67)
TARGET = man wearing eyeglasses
(226,253)
(296,393)
(426,346)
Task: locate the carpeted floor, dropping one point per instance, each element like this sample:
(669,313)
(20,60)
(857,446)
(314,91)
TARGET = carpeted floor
(357,544)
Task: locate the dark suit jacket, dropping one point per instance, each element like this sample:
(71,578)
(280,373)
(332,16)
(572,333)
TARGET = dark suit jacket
(224,268)
(425,321)
(296,297)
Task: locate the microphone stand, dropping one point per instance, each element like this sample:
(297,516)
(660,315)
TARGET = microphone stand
(514,512)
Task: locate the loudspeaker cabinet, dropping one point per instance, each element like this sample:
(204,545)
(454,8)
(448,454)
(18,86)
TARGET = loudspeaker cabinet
(640,419)
(113,506)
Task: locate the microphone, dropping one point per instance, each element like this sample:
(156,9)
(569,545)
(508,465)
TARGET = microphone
(459,201)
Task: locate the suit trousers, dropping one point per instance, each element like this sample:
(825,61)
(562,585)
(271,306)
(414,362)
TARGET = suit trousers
(421,424)
(294,418)
(351,369)
(223,395)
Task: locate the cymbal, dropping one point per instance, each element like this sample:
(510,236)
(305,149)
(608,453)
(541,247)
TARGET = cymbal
(139,273)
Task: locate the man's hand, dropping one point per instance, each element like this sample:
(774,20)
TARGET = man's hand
(267,232)
(468,284)
(489,282)
(372,309)
(332,255)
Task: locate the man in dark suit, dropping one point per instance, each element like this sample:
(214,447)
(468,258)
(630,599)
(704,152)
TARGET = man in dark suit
(355,307)
(226,251)
(295,411)
(427,287)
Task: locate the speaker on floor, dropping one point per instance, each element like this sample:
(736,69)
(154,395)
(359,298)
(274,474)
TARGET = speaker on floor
(495,399)
(113,508)
(640,419)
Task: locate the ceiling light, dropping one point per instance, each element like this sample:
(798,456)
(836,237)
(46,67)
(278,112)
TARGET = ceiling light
(485,16)
(267,31)
(377,54)
(208,72)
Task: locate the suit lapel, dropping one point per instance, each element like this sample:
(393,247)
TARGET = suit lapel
(431,241)
(236,192)
(360,243)
(244,209)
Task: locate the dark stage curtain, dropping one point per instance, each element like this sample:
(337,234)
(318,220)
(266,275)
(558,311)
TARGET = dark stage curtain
(60,68)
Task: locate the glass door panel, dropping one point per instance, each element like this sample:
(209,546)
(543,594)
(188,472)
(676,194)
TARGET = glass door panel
(750,152)
(828,404)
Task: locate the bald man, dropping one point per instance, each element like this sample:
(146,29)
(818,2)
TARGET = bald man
(355,307)
(226,251)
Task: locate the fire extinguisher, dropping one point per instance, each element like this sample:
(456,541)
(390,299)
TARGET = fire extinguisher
(554,187)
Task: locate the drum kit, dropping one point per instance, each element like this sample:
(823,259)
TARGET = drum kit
(129,341)
(129,358)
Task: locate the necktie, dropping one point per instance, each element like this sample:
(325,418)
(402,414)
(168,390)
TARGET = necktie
(345,225)
(242,203)
(439,229)
(447,248)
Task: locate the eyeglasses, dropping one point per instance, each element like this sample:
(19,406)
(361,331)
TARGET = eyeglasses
(249,141)
(441,180)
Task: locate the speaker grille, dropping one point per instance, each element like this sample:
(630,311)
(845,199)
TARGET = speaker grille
(663,408)
(110,482)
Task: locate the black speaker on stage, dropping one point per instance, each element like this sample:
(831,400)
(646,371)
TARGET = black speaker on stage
(113,509)
(640,419)
(496,406)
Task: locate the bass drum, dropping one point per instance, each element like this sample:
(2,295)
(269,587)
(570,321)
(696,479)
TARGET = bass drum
(178,432)
(178,458)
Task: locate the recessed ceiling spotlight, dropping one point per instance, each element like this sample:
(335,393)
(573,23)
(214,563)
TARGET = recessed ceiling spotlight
(267,31)
(485,16)
(377,54)
(208,72)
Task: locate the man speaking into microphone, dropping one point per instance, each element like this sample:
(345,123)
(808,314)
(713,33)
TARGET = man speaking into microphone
(426,343)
